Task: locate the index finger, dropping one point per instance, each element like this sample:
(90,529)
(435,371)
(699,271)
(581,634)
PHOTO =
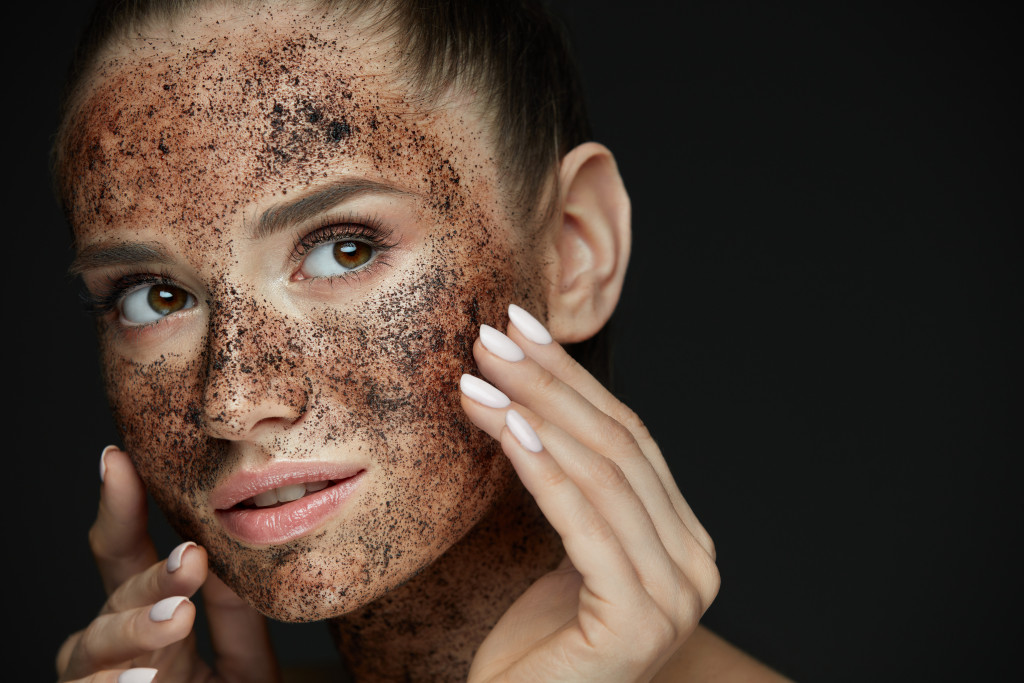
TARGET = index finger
(531,335)
(119,539)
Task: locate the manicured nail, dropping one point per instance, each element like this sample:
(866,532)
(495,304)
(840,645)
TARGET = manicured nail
(139,675)
(174,559)
(500,345)
(528,325)
(523,432)
(164,610)
(103,461)
(482,392)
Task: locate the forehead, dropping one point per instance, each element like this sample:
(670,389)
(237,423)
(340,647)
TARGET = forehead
(190,124)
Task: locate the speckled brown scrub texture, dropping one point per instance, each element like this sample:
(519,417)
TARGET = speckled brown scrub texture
(183,137)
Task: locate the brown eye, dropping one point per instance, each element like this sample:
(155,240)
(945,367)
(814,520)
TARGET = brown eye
(331,259)
(152,302)
(352,254)
(165,299)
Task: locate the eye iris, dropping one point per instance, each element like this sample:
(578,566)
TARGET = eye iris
(352,254)
(165,299)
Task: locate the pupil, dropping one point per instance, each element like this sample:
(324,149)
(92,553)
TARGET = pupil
(352,254)
(164,299)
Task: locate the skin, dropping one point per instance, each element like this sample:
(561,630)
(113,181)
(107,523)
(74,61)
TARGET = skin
(360,369)
(186,140)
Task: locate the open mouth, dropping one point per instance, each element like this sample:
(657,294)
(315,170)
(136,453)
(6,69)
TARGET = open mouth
(285,494)
(253,510)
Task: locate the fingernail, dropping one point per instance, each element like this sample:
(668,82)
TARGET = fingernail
(523,432)
(500,345)
(528,325)
(103,461)
(164,610)
(174,559)
(139,675)
(482,392)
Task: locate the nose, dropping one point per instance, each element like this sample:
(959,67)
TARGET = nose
(254,383)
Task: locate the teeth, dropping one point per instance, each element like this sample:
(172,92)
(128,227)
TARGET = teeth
(285,494)
(266,498)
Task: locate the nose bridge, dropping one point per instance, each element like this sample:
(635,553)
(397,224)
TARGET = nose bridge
(253,374)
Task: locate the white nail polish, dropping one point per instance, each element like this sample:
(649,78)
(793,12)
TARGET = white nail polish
(482,392)
(500,345)
(174,559)
(164,610)
(528,325)
(139,675)
(523,432)
(103,461)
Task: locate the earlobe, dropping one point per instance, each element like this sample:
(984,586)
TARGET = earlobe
(591,242)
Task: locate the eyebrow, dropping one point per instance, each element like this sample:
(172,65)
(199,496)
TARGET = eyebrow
(272,220)
(128,253)
(299,210)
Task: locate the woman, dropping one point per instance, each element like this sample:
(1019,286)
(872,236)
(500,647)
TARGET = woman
(302,226)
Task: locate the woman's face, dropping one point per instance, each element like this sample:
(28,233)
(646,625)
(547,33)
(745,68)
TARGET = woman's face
(292,264)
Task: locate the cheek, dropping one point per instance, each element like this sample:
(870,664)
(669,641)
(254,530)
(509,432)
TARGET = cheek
(383,376)
(156,410)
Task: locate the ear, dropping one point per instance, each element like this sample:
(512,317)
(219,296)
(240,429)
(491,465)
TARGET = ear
(591,240)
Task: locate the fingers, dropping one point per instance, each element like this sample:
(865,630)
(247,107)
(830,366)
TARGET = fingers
(635,604)
(132,622)
(592,454)
(605,528)
(114,638)
(182,573)
(241,640)
(528,334)
(118,538)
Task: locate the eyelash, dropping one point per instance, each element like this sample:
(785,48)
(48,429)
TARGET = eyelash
(116,286)
(369,230)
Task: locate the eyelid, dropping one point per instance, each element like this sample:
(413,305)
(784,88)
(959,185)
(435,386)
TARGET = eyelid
(368,229)
(115,286)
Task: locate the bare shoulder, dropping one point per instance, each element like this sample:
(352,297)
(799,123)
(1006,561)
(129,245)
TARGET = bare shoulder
(706,657)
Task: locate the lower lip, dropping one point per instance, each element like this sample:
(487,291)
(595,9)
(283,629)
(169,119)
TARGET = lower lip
(267,526)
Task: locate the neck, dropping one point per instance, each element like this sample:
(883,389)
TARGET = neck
(429,628)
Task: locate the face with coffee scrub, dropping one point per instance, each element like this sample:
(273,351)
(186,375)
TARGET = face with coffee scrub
(290,256)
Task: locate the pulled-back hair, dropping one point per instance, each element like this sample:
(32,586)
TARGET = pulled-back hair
(513,54)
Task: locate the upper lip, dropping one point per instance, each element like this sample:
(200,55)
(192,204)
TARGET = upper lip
(246,484)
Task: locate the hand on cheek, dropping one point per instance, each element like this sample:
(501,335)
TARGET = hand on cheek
(645,565)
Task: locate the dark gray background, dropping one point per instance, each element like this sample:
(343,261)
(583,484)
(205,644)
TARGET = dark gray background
(819,324)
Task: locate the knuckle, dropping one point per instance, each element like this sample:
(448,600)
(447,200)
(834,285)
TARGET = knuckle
(617,436)
(709,543)
(653,634)
(711,584)
(96,544)
(64,653)
(555,478)
(564,365)
(545,383)
(689,606)
(607,474)
(628,418)
(593,527)
(89,642)
(662,631)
